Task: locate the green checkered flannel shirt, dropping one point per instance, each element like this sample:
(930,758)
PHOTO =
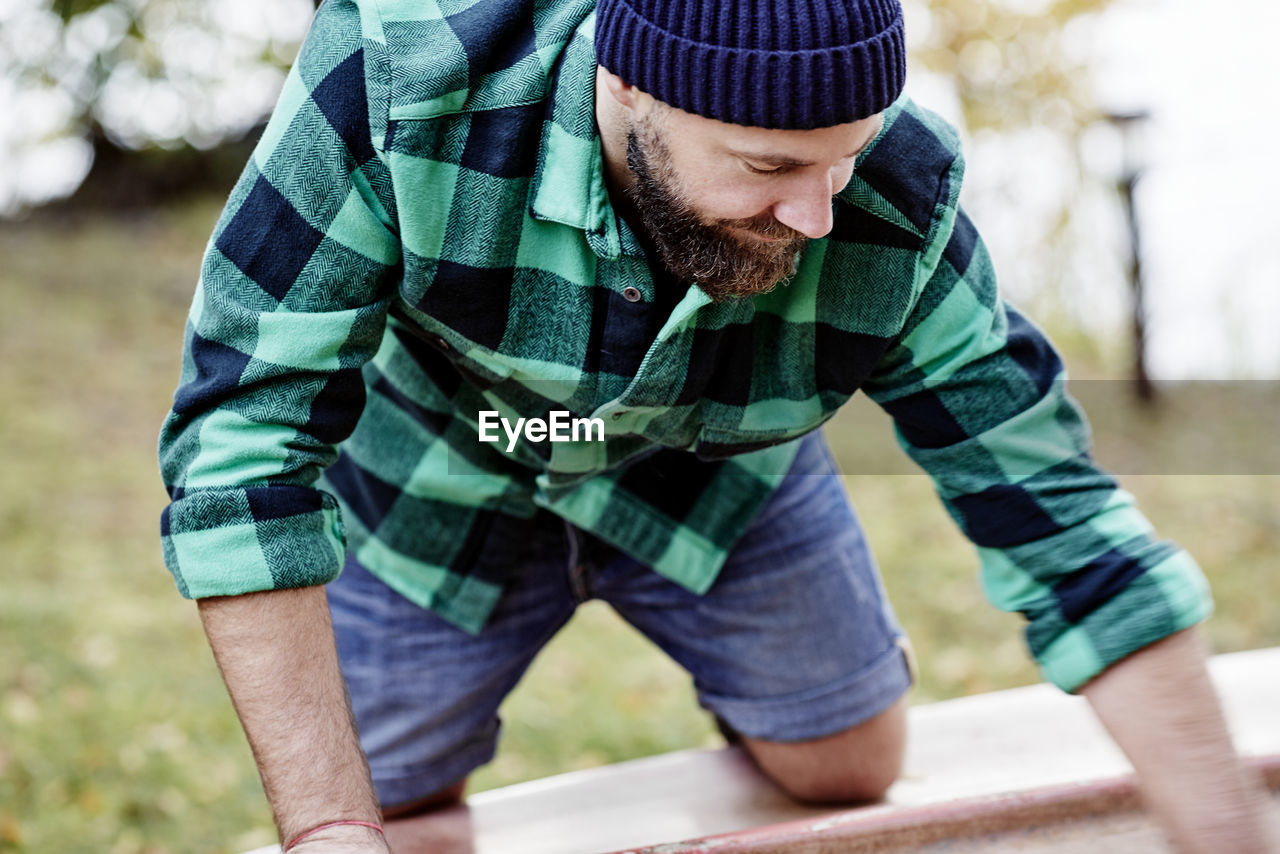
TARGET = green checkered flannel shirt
(423,233)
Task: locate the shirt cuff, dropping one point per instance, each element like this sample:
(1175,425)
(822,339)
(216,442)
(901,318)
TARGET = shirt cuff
(1171,596)
(229,541)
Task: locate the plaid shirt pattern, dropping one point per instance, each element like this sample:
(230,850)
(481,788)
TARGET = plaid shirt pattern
(423,233)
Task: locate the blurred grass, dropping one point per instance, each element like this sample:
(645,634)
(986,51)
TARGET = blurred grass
(115,731)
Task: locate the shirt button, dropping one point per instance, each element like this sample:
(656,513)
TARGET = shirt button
(439,341)
(631,294)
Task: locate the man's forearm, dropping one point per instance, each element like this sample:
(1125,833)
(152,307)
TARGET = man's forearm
(277,656)
(1160,707)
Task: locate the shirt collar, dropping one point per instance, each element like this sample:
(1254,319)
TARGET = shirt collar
(568,179)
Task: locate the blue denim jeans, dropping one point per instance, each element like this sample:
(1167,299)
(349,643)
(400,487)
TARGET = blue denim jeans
(794,641)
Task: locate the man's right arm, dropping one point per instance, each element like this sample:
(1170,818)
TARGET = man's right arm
(291,304)
(277,656)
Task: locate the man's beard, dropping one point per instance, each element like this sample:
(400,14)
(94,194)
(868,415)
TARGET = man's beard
(723,264)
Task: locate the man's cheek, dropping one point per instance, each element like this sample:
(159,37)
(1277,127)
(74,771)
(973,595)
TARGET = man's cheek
(722,201)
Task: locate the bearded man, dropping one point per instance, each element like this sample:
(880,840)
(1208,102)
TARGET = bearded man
(703,225)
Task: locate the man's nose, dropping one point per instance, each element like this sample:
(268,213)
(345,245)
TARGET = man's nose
(807,208)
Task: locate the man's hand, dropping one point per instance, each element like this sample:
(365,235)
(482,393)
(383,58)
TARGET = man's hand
(1160,707)
(277,655)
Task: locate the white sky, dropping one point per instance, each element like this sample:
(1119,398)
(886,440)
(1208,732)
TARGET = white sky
(1208,205)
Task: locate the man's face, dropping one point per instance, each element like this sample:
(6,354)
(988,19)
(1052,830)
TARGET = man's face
(731,207)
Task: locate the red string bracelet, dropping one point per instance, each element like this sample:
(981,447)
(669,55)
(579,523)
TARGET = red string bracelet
(306,833)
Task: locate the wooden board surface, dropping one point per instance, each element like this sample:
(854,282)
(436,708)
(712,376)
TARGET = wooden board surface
(975,766)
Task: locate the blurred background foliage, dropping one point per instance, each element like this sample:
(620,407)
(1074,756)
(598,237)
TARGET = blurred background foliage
(153,76)
(129,120)
(146,90)
(121,104)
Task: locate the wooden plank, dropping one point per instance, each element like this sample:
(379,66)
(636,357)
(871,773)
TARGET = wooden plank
(1007,762)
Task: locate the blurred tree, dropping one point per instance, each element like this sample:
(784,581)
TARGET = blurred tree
(1012,62)
(1021,75)
(90,81)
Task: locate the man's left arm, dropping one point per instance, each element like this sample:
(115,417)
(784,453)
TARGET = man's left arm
(1160,707)
(979,400)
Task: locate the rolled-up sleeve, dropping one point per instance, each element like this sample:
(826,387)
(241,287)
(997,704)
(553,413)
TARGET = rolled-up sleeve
(978,399)
(290,304)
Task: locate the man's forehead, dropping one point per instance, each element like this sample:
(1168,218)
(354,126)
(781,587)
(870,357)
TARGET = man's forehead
(795,150)
(772,146)
(777,147)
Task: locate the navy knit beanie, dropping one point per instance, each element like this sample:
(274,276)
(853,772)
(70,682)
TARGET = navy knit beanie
(796,64)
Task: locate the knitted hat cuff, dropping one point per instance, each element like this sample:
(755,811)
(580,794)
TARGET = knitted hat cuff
(792,89)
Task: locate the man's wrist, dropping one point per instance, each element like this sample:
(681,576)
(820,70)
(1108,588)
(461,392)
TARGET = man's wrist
(328,835)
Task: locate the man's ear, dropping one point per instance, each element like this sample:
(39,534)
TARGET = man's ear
(621,91)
